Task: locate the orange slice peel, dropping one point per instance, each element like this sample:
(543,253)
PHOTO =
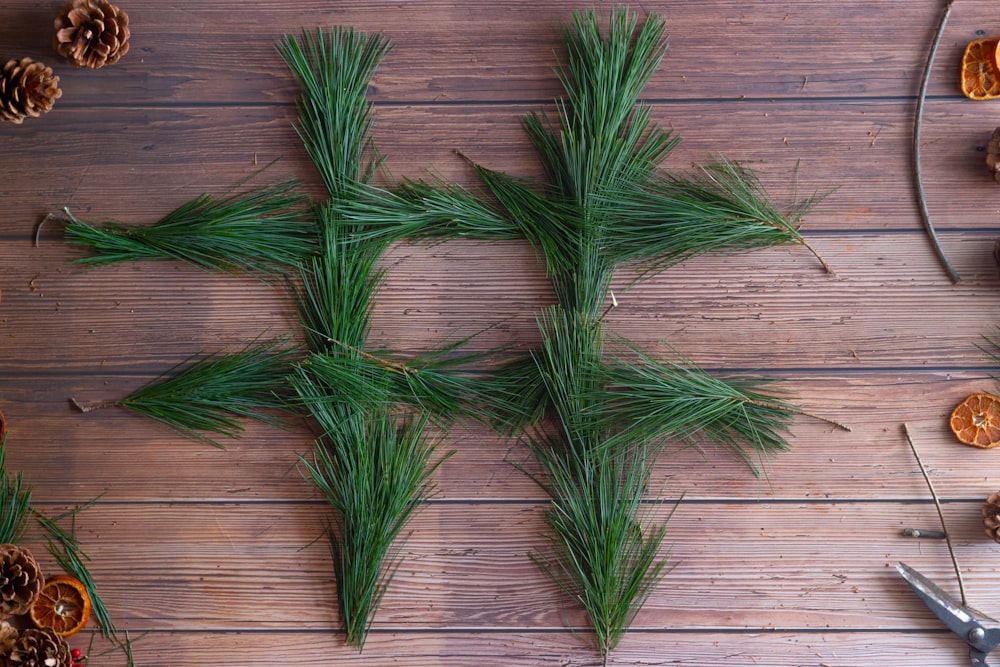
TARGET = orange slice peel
(980,78)
(976,421)
(63,605)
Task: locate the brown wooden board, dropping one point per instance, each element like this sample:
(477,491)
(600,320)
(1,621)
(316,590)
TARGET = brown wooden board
(217,556)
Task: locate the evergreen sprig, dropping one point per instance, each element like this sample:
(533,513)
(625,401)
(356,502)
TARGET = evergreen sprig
(15,500)
(717,206)
(370,408)
(606,202)
(373,465)
(651,400)
(16,513)
(602,554)
(334,70)
(213,394)
(68,553)
(337,287)
(265,230)
(441,384)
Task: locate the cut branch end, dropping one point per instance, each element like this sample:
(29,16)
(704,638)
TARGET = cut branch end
(90,407)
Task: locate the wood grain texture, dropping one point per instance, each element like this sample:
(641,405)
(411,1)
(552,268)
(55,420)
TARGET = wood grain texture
(855,150)
(775,559)
(771,648)
(220,52)
(212,556)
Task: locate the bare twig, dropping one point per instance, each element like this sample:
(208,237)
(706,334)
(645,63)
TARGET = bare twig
(937,504)
(614,304)
(794,410)
(402,369)
(917,173)
(826,267)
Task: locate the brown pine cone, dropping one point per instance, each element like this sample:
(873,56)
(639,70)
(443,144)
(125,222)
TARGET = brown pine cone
(20,580)
(991,516)
(27,89)
(39,648)
(8,637)
(91,33)
(993,155)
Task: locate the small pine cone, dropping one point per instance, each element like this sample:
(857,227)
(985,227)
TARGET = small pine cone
(991,516)
(20,580)
(91,33)
(27,89)
(8,637)
(993,155)
(39,648)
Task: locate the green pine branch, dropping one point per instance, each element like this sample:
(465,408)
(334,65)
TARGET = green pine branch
(416,209)
(606,202)
(334,70)
(719,206)
(265,230)
(337,287)
(372,459)
(16,513)
(15,501)
(444,384)
(214,394)
(653,401)
(607,548)
(373,466)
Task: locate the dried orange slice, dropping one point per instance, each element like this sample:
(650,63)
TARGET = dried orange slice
(980,76)
(976,421)
(63,605)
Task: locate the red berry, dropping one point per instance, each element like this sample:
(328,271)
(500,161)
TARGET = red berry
(76,653)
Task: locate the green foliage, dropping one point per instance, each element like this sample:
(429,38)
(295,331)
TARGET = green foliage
(15,501)
(649,400)
(602,555)
(337,287)
(215,393)
(265,230)
(373,466)
(370,409)
(718,206)
(606,202)
(334,70)
(441,383)
(68,553)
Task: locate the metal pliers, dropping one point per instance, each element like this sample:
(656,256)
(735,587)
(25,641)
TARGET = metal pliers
(958,618)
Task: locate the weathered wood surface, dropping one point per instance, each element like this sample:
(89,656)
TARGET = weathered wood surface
(213,553)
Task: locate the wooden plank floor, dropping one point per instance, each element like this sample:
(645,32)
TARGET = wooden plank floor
(211,556)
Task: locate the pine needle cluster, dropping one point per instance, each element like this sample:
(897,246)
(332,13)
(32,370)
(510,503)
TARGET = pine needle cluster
(265,231)
(370,408)
(16,515)
(15,501)
(214,394)
(606,203)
